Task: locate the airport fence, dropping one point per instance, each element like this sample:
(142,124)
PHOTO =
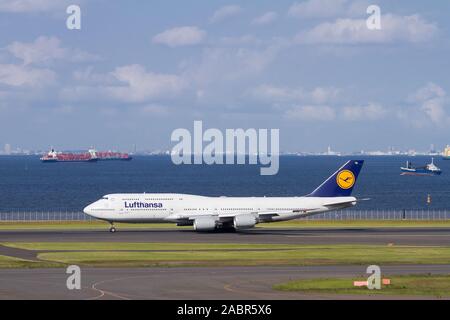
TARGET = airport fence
(62,216)
(51,216)
(433,215)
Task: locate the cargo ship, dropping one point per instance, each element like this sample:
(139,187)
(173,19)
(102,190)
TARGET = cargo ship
(429,169)
(446,153)
(109,155)
(90,156)
(54,156)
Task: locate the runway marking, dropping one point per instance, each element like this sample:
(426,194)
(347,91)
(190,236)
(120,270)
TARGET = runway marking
(116,295)
(104,292)
(41,282)
(229,287)
(230,279)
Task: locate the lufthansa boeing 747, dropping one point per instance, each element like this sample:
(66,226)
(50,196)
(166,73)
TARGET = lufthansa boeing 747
(212,213)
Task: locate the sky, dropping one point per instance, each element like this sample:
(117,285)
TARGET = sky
(137,70)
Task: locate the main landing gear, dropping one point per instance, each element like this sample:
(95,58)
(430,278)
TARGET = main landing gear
(112,229)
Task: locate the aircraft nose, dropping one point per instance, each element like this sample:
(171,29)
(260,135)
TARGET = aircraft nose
(88,209)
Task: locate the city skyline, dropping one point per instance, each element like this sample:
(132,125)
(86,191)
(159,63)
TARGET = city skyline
(309,68)
(17,150)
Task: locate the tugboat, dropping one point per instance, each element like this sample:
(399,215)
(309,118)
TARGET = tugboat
(429,169)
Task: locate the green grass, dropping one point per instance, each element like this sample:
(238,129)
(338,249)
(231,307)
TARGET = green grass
(357,224)
(410,285)
(233,255)
(102,246)
(11,262)
(80,225)
(216,254)
(301,223)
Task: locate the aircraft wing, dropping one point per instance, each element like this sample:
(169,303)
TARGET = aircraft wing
(263,215)
(227,218)
(260,214)
(188,219)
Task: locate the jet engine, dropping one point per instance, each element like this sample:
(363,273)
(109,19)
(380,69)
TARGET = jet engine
(244,221)
(204,223)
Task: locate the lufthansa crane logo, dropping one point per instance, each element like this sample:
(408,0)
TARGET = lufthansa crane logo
(345,179)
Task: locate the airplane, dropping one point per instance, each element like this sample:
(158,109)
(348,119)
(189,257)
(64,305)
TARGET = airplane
(238,213)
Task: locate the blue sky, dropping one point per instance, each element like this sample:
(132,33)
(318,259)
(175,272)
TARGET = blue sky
(137,70)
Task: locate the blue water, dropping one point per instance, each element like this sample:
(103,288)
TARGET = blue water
(27,184)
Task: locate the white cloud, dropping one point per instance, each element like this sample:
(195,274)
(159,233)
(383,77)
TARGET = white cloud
(130,83)
(278,94)
(318,8)
(142,85)
(42,49)
(432,100)
(372,111)
(323,95)
(394,28)
(88,76)
(218,76)
(427,108)
(266,18)
(45,49)
(430,91)
(270,93)
(18,6)
(317,104)
(225,13)
(16,76)
(181,36)
(310,113)
(225,65)
(435,110)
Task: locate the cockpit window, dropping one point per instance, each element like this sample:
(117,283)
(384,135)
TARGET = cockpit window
(106,198)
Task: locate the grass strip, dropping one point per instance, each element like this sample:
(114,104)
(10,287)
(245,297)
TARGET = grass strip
(408,285)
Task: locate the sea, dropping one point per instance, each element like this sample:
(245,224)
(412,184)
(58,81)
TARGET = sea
(26,184)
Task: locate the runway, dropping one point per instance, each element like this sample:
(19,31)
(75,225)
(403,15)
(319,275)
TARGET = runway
(203,282)
(238,283)
(399,236)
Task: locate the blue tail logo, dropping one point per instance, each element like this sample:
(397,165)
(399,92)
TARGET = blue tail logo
(341,183)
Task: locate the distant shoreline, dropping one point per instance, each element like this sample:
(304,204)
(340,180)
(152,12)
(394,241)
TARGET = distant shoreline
(281,155)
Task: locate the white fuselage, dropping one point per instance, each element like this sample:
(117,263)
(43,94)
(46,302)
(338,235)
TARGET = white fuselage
(161,207)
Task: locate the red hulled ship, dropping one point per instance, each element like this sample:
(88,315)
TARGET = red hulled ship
(54,156)
(109,155)
(90,156)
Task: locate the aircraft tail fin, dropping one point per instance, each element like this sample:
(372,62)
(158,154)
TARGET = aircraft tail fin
(340,183)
